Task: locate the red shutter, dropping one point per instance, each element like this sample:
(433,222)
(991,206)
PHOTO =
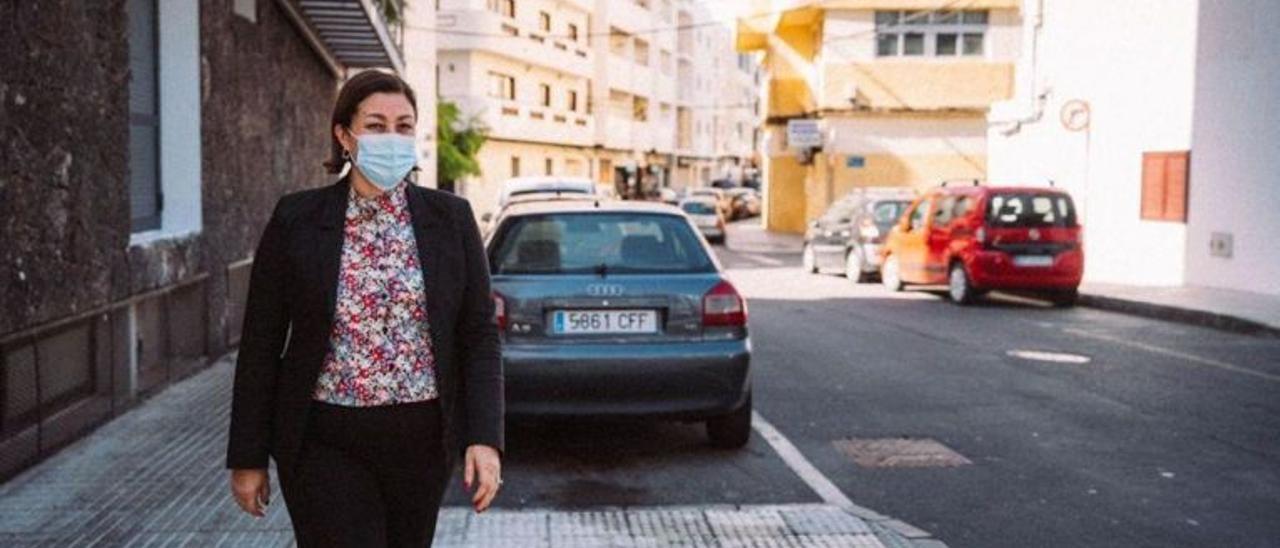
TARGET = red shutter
(1164,186)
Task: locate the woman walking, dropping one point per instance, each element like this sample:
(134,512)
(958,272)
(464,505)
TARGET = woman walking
(369,359)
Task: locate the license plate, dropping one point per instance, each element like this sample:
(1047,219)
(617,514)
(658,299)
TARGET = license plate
(596,322)
(1033,260)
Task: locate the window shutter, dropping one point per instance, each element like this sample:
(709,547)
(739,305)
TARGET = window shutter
(1152,186)
(1164,186)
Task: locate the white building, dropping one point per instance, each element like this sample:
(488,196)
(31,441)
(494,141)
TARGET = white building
(625,92)
(1114,109)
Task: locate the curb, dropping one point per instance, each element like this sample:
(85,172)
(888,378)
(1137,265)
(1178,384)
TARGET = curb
(1202,318)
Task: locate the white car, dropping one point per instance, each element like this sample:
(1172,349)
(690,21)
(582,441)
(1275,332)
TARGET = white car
(705,213)
(543,185)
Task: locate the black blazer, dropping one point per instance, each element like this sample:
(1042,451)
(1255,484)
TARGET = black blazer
(289,316)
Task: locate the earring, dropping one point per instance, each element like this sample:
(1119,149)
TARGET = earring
(346,155)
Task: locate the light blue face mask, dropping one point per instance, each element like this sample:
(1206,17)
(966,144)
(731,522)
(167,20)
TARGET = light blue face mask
(385,158)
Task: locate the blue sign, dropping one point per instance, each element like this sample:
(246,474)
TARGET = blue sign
(855,161)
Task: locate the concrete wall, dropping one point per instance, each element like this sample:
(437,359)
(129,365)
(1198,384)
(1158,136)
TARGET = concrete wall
(1234,139)
(96,317)
(1133,63)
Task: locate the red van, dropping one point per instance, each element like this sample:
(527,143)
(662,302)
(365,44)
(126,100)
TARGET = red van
(978,238)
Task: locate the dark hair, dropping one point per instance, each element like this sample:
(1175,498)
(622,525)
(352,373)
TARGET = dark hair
(355,91)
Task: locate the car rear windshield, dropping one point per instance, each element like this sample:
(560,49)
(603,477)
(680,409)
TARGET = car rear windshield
(888,212)
(698,208)
(611,243)
(1026,209)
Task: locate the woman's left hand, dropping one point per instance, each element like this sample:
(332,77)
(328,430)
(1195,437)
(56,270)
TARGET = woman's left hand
(483,474)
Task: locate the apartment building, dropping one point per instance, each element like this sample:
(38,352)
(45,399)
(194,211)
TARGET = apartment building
(889,93)
(625,92)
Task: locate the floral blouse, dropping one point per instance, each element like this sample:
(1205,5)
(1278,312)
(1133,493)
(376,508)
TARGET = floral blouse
(380,349)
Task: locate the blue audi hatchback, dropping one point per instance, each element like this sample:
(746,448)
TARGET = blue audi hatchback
(619,309)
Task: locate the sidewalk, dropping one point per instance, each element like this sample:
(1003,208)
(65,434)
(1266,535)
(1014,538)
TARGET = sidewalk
(155,476)
(1238,311)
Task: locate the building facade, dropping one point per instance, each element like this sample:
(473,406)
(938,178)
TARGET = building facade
(892,92)
(151,145)
(1159,137)
(623,92)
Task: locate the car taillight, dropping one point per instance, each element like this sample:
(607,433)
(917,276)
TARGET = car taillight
(500,310)
(723,306)
(981,236)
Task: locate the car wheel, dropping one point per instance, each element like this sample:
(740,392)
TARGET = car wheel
(808,261)
(731,431)
(890,275)
(959,287)
(853,266)
(1065,299)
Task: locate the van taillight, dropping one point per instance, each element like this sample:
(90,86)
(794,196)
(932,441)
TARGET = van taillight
(981,236)
(500,310)
(723,306)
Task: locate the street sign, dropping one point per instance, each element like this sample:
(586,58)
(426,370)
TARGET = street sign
(855,162)
(804,133)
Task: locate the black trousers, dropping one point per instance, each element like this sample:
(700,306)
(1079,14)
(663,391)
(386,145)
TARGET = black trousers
(368,476)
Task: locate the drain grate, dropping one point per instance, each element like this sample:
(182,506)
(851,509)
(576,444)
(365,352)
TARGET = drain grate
(900,453)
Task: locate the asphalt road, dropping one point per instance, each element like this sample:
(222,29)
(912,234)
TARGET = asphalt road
(1169,435)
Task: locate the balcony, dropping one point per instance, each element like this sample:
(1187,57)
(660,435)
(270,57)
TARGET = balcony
(351,33)
(498,35)
(513,120)
(628,16)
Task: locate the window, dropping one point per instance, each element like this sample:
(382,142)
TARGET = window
(145,197)
(931,33)
(545,94)
(583,243)
(640,109)
(573,32)
(642,52)
(619,42)
(505,8)
(502,86)
(1031,210)
(550,166)
(573,101)
(916,220)
(544,21)
(1164,186)
(515,166)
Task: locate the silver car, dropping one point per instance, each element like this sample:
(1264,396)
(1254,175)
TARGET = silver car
(619,309)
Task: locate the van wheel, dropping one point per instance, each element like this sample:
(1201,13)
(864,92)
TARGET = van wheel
(959,287)
(808,261)
(890,274)
(731,431)
(853,266)
(1065,299)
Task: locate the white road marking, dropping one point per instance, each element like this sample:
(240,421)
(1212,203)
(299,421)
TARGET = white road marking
(797,462)
(1209,362)
(1053,357)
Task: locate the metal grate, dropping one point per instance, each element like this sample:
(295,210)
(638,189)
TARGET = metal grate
(900,453)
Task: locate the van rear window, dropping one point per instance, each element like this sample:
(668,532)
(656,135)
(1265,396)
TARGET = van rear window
(1028,209)
(613,243)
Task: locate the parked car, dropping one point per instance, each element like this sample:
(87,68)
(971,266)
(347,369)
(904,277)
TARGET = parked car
(619,309)
(743,203)
(981,238)
(717,194)
(530,185)
(668,196)
(848,236)
(706,216)
(487,219)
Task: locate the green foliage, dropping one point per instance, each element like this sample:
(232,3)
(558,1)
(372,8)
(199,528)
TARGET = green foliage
(457,144)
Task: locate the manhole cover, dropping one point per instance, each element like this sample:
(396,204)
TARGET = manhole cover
(1052,357)
(900,453)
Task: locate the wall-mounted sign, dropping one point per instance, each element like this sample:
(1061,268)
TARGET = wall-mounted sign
(1075,115)
(855,162)
(804,134)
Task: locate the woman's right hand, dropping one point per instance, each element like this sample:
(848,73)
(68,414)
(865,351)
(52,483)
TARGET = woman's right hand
(252,490)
